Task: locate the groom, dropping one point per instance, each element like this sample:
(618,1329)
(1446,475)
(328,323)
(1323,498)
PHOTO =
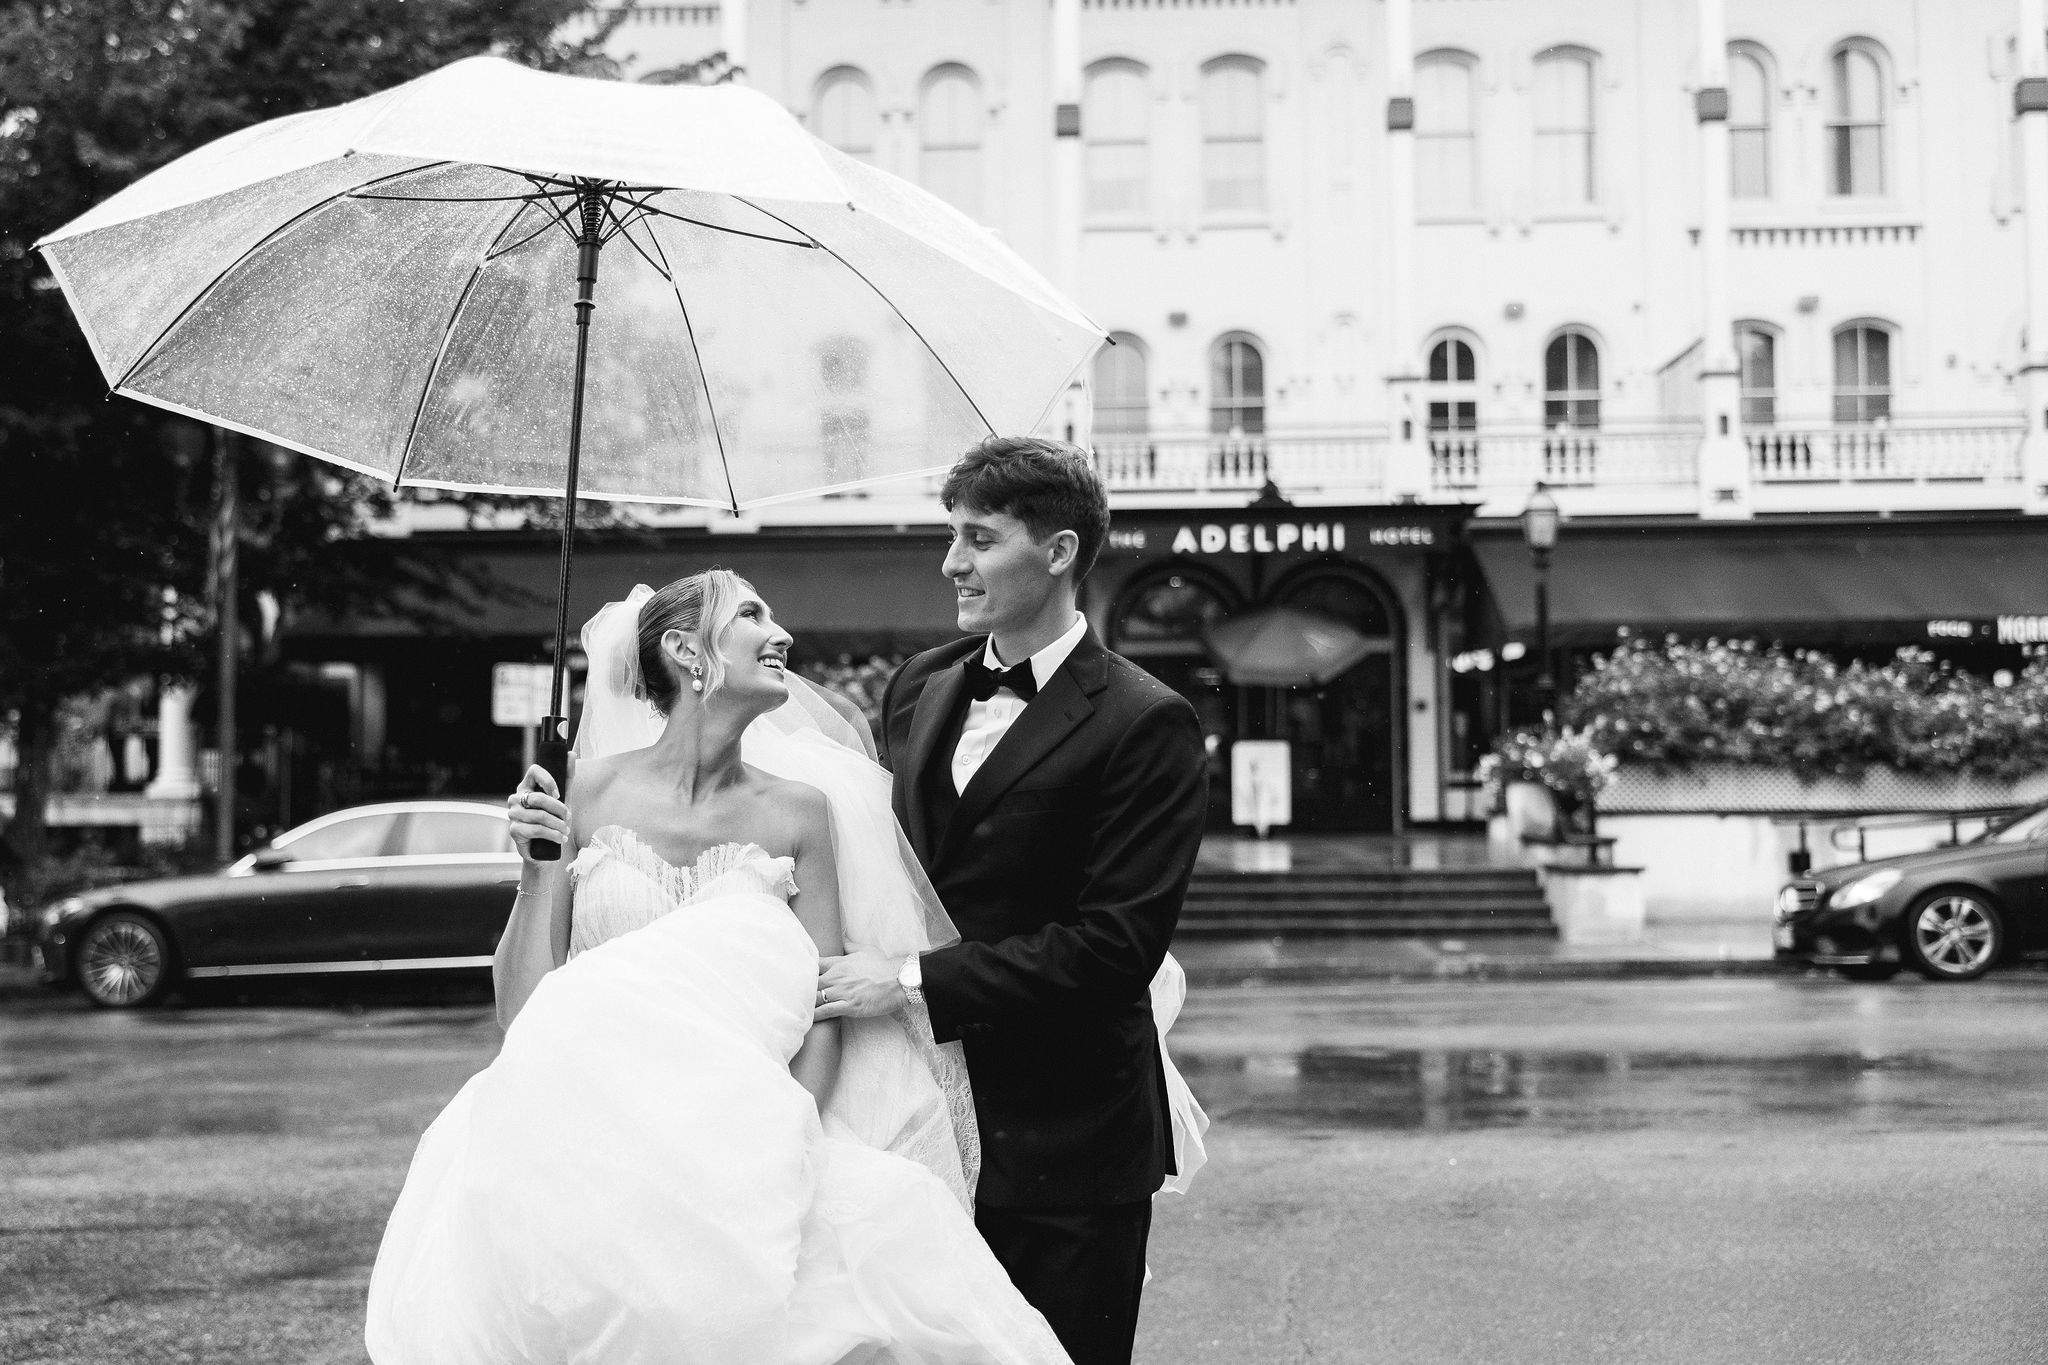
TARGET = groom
(1056,794)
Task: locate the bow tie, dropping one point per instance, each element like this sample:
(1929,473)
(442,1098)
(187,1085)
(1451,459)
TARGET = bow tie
(983,681)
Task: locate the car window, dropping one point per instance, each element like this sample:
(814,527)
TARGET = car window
(2021,830)
(442,832)
(359,836)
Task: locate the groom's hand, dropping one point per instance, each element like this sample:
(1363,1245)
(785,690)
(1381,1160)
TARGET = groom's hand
(858,986)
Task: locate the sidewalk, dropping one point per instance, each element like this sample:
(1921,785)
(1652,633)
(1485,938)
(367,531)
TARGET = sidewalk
(1664,950)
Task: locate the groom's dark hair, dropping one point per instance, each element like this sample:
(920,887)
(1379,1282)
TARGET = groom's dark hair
(1048,485)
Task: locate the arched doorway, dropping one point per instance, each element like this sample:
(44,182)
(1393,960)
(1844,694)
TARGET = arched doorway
(1157,623)
(1344,735)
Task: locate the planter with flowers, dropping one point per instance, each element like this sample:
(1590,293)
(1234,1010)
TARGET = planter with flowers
(1548,785)
(1732,756)
(1735,727)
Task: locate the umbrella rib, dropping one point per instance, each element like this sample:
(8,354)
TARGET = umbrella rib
(703,379)
(809,243)
(494,254)
(937,359)
(274,234)
(459,198)
(658,267)
(448,335)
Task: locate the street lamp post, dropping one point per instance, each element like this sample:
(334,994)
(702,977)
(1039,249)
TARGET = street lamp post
(1539,532)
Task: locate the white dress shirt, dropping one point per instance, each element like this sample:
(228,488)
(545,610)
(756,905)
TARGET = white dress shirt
(988,721)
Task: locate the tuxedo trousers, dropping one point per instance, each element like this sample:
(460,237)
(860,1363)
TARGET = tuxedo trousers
(1083,1268)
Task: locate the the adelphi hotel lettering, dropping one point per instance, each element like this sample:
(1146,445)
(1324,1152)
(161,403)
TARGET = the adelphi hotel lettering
(1309,537)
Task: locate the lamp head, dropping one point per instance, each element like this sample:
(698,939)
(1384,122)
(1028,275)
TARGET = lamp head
(1540,519)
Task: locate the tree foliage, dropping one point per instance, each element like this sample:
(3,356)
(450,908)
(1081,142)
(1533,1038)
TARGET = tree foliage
(107,502)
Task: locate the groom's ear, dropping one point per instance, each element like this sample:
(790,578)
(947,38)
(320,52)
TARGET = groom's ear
(1061,553)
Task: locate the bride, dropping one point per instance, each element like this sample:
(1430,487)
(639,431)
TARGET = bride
(669,1161)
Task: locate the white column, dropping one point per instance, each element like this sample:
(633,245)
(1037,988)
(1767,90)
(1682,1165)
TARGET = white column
(1724,485)
(732,37)
(2030,100)
(1064,56)
(177,775)
(1407,441)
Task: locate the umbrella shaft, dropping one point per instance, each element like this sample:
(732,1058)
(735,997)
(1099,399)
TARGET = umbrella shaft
(588,246)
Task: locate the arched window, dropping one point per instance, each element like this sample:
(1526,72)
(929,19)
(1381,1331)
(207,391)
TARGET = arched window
(1453,412)
(949,120)
(1565,129)
(1446,135)
(1756,349)
(1856,120)
(1863,373)
(1114,119)
(1749,121)
(1233,136)
(1453,386)
(1166,613)
(843,112)
(1121,405)
(1237,387)
(1571,381)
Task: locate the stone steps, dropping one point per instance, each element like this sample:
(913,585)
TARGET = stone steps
(1391,902)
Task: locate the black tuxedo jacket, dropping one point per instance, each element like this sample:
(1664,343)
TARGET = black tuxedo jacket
(1064,863)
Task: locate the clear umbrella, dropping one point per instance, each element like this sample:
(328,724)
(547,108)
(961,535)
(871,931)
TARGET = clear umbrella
(387,285)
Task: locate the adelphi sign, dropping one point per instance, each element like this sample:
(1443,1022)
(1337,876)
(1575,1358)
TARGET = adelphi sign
(1283,537)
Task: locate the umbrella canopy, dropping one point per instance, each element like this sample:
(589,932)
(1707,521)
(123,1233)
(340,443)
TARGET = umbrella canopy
(388,285)
(1285,647)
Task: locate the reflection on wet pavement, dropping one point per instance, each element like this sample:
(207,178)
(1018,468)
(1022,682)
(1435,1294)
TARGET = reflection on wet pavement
(1453,1089)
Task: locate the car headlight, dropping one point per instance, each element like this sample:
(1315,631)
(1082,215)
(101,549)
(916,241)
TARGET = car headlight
(53,913)
(1864,890)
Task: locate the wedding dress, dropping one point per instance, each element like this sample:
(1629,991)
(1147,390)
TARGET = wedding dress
(638,1178)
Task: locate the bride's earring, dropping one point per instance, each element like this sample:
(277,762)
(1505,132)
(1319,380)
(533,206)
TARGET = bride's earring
(696,677)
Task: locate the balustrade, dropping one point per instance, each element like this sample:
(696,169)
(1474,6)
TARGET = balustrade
(1642,466)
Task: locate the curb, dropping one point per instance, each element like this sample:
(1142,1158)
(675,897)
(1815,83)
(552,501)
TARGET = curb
(1480,969)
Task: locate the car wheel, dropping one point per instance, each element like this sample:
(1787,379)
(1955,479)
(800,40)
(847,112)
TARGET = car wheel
(1870,971)
(1953,936)
(124,962)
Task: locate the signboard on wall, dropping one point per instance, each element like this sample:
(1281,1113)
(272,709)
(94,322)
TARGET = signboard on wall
(519,693)
(1261,783)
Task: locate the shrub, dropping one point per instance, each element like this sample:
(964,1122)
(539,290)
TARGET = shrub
(1674,704)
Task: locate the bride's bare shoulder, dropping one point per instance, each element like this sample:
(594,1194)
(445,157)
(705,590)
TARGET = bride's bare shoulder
(800,806)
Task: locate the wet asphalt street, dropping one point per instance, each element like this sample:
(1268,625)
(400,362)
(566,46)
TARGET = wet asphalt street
(1709,1170)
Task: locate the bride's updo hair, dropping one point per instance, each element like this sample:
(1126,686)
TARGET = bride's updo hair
(702,605)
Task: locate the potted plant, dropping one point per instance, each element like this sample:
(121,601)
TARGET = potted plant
(1513,776)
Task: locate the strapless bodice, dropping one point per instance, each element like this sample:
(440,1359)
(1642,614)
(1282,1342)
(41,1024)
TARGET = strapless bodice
(621,884)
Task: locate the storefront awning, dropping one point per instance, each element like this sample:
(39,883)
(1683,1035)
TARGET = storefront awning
(1793,581)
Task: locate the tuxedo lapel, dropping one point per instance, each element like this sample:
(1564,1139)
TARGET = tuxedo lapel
(1060,706)
(935,705)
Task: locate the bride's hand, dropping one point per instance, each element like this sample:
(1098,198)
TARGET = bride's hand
(537,812)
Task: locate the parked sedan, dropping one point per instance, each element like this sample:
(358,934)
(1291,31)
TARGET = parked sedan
(402,886)
(1950,913)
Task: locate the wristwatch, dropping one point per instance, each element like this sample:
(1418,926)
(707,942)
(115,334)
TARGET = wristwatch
(911,978)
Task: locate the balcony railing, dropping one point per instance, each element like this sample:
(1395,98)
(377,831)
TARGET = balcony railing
(1504,459)
(1953,450)
(1950,462)
(1319,462)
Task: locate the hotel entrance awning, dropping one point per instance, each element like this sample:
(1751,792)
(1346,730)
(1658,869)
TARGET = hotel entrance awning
(1865,583)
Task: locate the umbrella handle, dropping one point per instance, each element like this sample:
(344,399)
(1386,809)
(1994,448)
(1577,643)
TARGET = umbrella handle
(551,752)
